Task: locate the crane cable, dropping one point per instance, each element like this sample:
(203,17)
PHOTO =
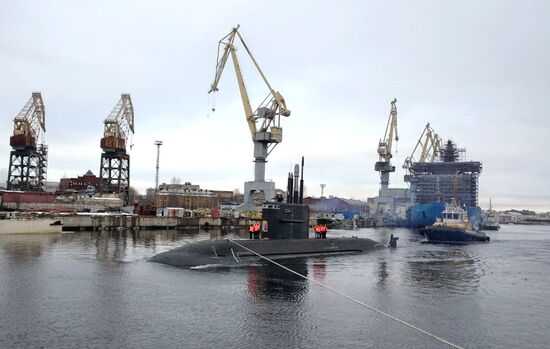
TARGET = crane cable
(433,336)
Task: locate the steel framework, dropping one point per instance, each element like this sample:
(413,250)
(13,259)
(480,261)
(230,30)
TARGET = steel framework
(28,161)
(114,174)
(114,171)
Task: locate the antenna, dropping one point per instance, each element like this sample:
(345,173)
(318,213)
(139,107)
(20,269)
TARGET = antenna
(158,144)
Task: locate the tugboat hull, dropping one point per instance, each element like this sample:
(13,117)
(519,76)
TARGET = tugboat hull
(451,235)
(490,227)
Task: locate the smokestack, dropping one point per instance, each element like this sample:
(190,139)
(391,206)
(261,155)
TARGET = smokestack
(302,184)
(289,188)
(296,183)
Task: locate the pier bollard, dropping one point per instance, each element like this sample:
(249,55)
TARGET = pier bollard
(393,241)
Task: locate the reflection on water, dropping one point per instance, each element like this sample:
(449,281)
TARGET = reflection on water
(23,248)
(319,265)
(451,268)
(382,272)
(274,282)
(268,284)
(96,288)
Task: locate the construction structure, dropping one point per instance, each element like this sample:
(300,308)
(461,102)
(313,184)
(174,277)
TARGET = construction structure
(450,176)
(264,122)
(114,171)
(28,158)
(383,207)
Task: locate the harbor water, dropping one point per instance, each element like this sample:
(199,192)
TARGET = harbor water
(97,290)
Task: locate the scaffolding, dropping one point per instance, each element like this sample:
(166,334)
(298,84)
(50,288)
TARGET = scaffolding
(442,181)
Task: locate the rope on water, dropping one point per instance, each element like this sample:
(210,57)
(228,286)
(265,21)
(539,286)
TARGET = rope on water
(433,336)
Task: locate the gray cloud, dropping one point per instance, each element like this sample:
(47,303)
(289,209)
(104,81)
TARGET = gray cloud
(477,71)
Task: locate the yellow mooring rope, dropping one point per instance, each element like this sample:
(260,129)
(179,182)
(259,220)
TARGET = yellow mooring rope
(433,336)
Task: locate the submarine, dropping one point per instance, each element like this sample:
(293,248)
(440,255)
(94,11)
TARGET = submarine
(284,234)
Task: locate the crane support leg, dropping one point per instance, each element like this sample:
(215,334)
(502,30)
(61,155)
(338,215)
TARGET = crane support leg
(27,169)
(260,158)
(114,174)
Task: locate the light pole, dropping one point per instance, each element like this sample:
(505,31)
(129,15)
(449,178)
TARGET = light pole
(158,144)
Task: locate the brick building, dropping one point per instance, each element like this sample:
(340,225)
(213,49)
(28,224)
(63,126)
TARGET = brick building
(80,183)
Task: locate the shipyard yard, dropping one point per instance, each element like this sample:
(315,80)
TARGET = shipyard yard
(198,175)
(97,290)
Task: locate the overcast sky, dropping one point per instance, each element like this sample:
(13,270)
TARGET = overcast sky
(478,71)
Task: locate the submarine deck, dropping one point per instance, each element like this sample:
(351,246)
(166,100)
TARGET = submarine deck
(225,252)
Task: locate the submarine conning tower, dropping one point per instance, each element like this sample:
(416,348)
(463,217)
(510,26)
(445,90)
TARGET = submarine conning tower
(288,220)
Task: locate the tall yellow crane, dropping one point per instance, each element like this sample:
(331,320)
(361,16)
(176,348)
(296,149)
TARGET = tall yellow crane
(264,122)
(385,146)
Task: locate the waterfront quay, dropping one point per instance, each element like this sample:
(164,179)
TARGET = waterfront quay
(107,222)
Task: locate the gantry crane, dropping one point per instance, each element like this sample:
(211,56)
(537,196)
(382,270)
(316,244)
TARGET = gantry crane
(114,172)
(264,122)
(385,146)
(28,159)
(430,145)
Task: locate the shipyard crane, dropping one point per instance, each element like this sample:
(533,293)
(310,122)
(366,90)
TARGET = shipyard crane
(118,125)
(28,159)
(429,144)
(264,122)
(114,172)
(385,146)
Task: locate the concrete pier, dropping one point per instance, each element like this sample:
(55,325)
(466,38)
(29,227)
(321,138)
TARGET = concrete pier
(99,222)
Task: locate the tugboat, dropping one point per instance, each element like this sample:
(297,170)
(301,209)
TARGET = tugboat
(491,220)
(453,227)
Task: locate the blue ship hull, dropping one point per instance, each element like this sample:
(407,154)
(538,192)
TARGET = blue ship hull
(453,235)
(425,215)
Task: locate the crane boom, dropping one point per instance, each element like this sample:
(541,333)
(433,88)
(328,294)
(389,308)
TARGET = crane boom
(429,143)
(383,165)
(386,144)
(273,106)
(29,122)
(120,121)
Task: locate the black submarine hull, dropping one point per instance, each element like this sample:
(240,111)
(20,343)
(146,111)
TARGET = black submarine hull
(225,252)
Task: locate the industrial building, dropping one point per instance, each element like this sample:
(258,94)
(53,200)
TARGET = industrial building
(192,197)
(84,183)
(334,204)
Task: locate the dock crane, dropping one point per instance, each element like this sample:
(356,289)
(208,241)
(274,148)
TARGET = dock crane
(28,159)
(430,144)
(383,165)
(114,171)
(264,123)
